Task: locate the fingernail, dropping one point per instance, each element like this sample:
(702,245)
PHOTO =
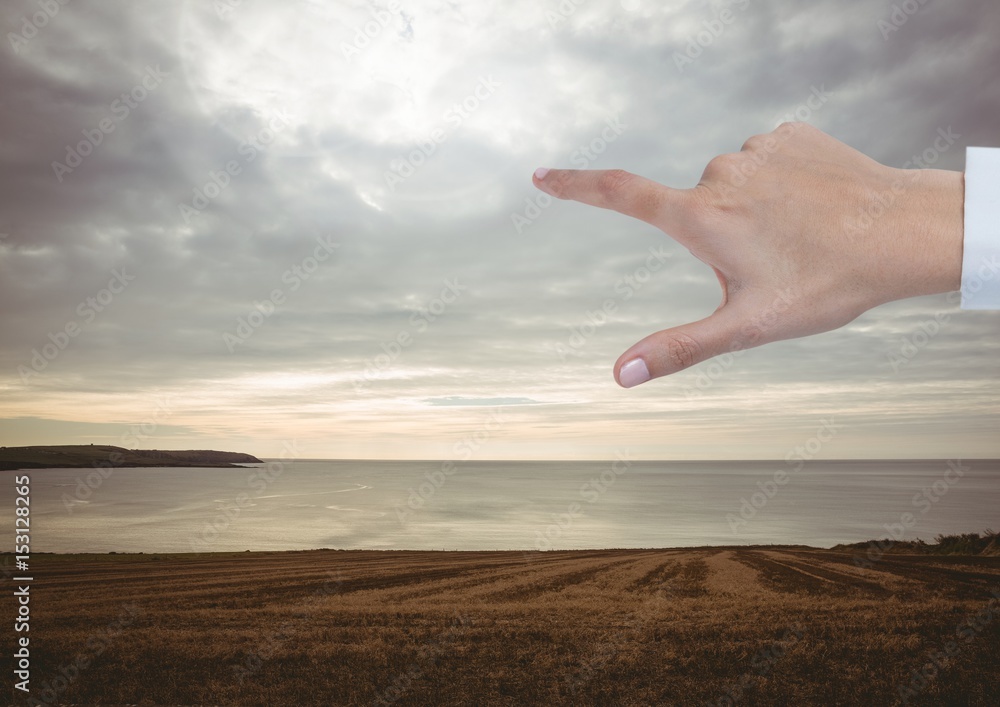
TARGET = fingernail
(633,373)
(541,172)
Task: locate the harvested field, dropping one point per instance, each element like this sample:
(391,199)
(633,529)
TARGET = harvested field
(775,626)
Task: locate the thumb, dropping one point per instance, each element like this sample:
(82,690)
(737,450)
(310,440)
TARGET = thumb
(673,350)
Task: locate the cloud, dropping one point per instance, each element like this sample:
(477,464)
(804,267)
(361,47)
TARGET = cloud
(457,400)
(408,139)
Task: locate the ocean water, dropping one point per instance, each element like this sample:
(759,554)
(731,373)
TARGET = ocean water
(492,505)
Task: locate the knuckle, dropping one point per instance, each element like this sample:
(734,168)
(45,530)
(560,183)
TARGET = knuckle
(722,165)
(703,201)
(558,184)
(790,127)
(613,183)
(683,352)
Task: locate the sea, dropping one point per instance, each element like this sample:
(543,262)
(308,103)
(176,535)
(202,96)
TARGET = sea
(502,505)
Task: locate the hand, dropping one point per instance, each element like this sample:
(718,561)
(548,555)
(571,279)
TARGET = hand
(803,232)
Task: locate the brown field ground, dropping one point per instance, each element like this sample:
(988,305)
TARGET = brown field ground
(718,626)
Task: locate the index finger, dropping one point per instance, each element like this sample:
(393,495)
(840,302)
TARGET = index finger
(618,190)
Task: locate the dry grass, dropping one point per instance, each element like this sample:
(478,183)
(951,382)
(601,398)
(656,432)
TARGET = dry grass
(664,627)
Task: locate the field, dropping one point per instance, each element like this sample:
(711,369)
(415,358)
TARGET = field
(707,626)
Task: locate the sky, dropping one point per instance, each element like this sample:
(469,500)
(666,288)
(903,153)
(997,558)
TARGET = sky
(260,226)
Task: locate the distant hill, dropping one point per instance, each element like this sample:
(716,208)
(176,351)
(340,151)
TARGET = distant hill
(73,456)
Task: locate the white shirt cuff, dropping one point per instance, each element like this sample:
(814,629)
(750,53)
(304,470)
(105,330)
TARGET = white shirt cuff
(981,253)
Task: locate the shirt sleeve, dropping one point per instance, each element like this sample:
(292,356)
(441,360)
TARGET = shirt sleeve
(981,250)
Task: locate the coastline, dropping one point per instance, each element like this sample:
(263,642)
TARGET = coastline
(84,456)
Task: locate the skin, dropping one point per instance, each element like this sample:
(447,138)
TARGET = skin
(803,232)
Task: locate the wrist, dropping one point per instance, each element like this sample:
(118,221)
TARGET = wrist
(929,238)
